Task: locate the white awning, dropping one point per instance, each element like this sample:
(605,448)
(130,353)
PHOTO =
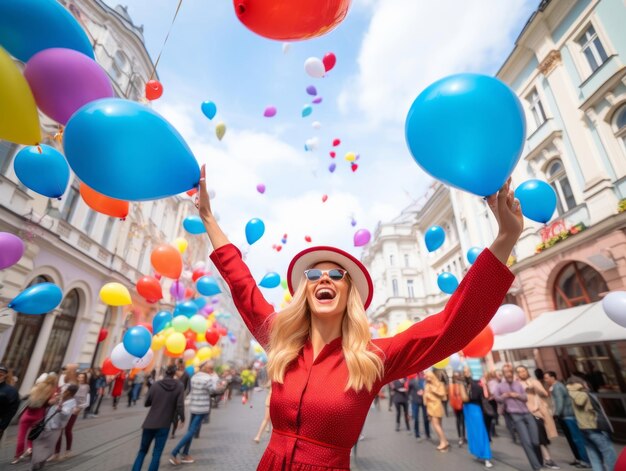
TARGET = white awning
(581,324)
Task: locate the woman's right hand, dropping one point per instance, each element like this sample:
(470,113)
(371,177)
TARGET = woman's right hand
(202,200)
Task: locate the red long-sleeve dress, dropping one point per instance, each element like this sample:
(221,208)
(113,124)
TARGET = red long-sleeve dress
(316,422)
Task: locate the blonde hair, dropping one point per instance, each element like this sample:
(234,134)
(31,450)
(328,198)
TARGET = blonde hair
(291,328)
(42,391)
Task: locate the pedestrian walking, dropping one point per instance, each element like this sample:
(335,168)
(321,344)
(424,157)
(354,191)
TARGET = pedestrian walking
(416,394)
(321,342)
(101,384)
(401,401)
(118,388)
(442,376)
(202,383)
(490,382)
(593,424)
(433,398)
(9,400)
(477,436)
(136,383)
(34,412)
(81,397)
(166,399)
(63,406)
(267,421)
(184,378)
(457,395)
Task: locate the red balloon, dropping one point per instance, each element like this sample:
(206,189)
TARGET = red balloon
(189,293)
(108,368)
(197,273)
(324,198)
(329,61)
(336,142)
(102,334)
(146,325)
(307,238)
(354,167)
(620,464)
(332,154)
(190,335)
(480,345)
(157,276)
(192,192)
(222,330)
(154,90)
(191,345)
(279,248)
(212,336)
(150,288)
(286,20)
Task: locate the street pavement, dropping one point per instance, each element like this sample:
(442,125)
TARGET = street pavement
(110,443)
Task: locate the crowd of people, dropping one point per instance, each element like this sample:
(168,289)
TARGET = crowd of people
(531,408)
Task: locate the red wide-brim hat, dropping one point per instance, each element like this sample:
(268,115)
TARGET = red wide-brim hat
(310,257)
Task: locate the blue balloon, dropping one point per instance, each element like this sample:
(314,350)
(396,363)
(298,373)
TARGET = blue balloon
(127,151)
(190,370)
(207,286)
(447,282)
(537,200)
(194,225)
(435,237)
(209,109)
(254,230)
(30,26)
(45,172)
(160,321)
(270,280)
(468,131)
(199,302)
(307,110)
(473,253)
(38,299)
(137,341)
(187,309)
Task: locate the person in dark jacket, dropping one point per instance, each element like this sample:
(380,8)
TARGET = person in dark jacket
(9,400)
(166,399)
(416,394)
(401,401)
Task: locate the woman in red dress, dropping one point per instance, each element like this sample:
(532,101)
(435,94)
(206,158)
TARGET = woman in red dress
(324,366)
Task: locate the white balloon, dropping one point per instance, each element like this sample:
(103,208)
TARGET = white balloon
(509,318)
(186,275)
(189,354)
(313,143)
(121,358)
(144,361)
(614,305)
(314,67)
(286,47)
(316,124)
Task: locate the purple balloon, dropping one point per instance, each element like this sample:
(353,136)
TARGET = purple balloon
(509,318)
(332,167)
(317,100)
(260,188)
(353,223)
(270,112)
(208,309)
(63,80)
(11,249)
(177,290)
(311,90)
(361,237)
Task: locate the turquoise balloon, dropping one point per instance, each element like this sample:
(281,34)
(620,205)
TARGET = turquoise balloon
(207,286)
(190,370)
(137,341)
(127,151)
(537,200)
(254,230)
(473,253)
(160,321)
(30,26)
(38,299)
(307,110)
(434,238)
(209,109)
(447,282)
(468,131)
(270,280)
(194,225)
(187,309)
(45,172)
(199,302)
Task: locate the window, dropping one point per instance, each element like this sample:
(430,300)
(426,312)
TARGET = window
(7,151)
(406,260)
(536,108)
(409,288)
(108,228)
(592,48)
(558,180)
(391,260)
(620,125)
(394,287)
(90,220)
(120,60)
(577,283)
(70,203)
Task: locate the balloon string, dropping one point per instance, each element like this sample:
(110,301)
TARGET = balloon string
(180,2)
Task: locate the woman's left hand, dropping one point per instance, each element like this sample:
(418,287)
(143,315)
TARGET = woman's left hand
(507,211)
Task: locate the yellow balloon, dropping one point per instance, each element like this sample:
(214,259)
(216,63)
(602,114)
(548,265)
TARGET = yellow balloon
(196,361)
(19,121)
(442,364)
(216,352)
(158,341)
(402,326)
(175,343)
(287,297)
(115,294)
(200,338)
(181,244)
(350,157)
(203,354)
(220,130)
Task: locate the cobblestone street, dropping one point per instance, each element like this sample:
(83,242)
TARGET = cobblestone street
(110,442)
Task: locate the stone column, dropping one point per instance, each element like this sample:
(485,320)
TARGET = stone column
(40,348)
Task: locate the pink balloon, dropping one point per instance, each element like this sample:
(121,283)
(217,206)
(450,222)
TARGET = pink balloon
(509,318)
(63,80)
(361,237)
(208,309)
(11,249)
(177,290)
(260,188)
(317,101)
(270,112)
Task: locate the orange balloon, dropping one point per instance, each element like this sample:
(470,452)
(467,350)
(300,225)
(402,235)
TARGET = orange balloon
(103,204)
(480,345)
(167,260)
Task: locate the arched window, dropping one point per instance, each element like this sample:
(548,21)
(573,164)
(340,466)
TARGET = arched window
(620,125)
(577,283)
(558,180)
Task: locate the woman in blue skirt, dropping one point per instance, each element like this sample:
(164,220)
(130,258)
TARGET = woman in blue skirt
(477,438)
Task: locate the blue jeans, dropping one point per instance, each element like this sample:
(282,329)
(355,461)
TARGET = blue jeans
(577,438)
(526,428)
(600,449)
(160,437)
(415,409)
(194,424)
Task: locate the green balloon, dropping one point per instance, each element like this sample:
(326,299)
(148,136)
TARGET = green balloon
(180,323)
(197,323)
(283,283)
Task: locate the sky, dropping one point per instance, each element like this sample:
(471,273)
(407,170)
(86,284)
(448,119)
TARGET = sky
(387,52)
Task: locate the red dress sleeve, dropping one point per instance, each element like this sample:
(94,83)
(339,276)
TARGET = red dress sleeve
(467,312)
(253,307)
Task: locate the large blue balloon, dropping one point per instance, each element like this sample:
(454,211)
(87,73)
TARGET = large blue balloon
(30,26)
(127,151)
(473,253)
(270,280)
(254,230)
(199,302)
(207,286)
(447,282)
(160,321)
(435,237)
(137,341)
(468,131)
(194,225)
(537,200)
(38,299)
(187,309)
(45,172)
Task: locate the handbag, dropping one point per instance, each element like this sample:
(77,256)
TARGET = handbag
(464,395)
(40,426)
(487,407)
